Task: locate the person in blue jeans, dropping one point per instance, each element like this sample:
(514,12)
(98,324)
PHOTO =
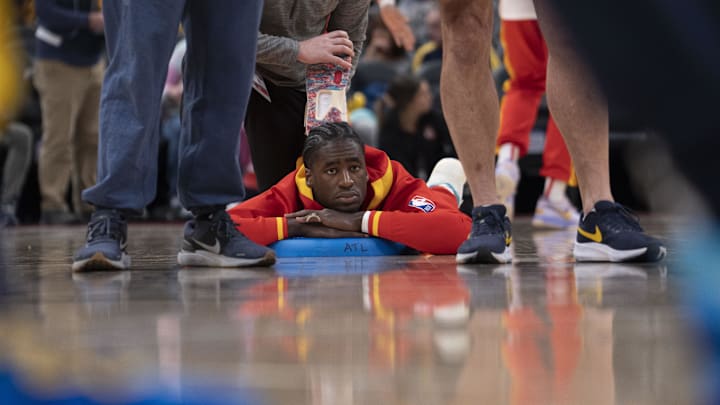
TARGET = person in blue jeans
(220,60)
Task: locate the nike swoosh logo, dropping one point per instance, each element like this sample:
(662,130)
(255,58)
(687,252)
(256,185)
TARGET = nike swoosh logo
(595,237)
(508,240)
(214,248)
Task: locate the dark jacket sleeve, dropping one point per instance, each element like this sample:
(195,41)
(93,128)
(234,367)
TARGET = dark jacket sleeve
(56,17)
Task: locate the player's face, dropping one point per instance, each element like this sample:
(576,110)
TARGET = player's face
(338,177)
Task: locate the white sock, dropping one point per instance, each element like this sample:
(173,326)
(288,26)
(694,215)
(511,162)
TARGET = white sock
(508,151)
(449,174)
(554,189)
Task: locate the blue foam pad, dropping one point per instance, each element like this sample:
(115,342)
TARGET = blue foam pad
(333,247)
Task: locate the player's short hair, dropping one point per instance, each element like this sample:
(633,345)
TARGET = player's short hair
(326,133)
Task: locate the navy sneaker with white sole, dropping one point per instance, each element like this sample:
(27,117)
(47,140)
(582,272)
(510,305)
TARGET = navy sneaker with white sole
(212,240)
(610,233)
(490,237)
(106,244)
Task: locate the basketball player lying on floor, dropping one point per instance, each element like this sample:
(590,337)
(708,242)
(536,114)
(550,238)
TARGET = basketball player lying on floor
(343,188)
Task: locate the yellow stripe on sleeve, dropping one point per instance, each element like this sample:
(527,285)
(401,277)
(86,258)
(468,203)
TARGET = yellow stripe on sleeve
(280,221)
(375,223)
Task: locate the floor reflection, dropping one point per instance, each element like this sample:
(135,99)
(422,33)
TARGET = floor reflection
(390,330)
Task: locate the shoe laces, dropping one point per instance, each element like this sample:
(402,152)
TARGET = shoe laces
(106,226)
(620,218)
(490,223)
(223,226)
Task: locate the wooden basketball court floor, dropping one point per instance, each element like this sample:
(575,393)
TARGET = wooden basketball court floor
(372,330)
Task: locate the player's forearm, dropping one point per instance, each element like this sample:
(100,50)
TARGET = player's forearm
(276,50)
(263,230)
(440,232)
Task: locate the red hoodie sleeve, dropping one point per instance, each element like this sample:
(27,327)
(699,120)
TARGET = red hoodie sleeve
(262,218)
(424,219)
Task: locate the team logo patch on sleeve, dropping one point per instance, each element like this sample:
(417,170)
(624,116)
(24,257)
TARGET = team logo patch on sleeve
(422,204)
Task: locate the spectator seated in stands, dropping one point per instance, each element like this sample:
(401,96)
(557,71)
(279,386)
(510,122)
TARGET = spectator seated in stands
(380,62)
(16,145)
(363,119)
(381,47)
(16,139)
(69,68)
(411,132)
(415,12)
(432,49)
(343,188)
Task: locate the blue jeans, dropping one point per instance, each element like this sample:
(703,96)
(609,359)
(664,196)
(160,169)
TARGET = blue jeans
(220,60)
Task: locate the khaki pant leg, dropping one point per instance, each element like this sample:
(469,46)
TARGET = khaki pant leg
(59,86)
(85,141)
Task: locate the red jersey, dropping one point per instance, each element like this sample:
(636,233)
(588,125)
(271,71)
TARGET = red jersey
(402,208)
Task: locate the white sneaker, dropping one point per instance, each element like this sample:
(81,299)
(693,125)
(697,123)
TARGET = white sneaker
(448,173)
(507,176)
(555,215)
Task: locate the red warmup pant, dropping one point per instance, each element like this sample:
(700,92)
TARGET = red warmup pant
(526,58)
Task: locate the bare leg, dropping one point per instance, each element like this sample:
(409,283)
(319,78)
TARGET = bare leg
(470,103)
(579,110)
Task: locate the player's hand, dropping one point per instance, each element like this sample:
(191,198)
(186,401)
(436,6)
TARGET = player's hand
(334,219)
(318,230)
(398,26)
(330,47)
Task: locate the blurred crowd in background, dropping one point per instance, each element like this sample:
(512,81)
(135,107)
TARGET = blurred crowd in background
(49,145)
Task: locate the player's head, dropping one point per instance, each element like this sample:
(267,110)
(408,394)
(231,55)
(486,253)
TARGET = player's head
(334,157)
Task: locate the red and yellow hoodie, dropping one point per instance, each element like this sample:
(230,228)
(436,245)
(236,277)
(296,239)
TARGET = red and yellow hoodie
(402,208)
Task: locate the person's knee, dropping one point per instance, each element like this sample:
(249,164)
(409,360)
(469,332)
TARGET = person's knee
(467,28)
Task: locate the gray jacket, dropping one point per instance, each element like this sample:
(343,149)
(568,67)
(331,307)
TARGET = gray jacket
(287,22)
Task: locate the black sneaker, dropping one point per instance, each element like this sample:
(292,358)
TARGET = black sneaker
(213,241)
(610,233)
(106,243)
(489,239)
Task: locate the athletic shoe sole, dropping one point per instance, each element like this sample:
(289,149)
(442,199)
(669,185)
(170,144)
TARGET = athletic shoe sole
(598,252)
(485,256)
(203,258)
(98,262)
